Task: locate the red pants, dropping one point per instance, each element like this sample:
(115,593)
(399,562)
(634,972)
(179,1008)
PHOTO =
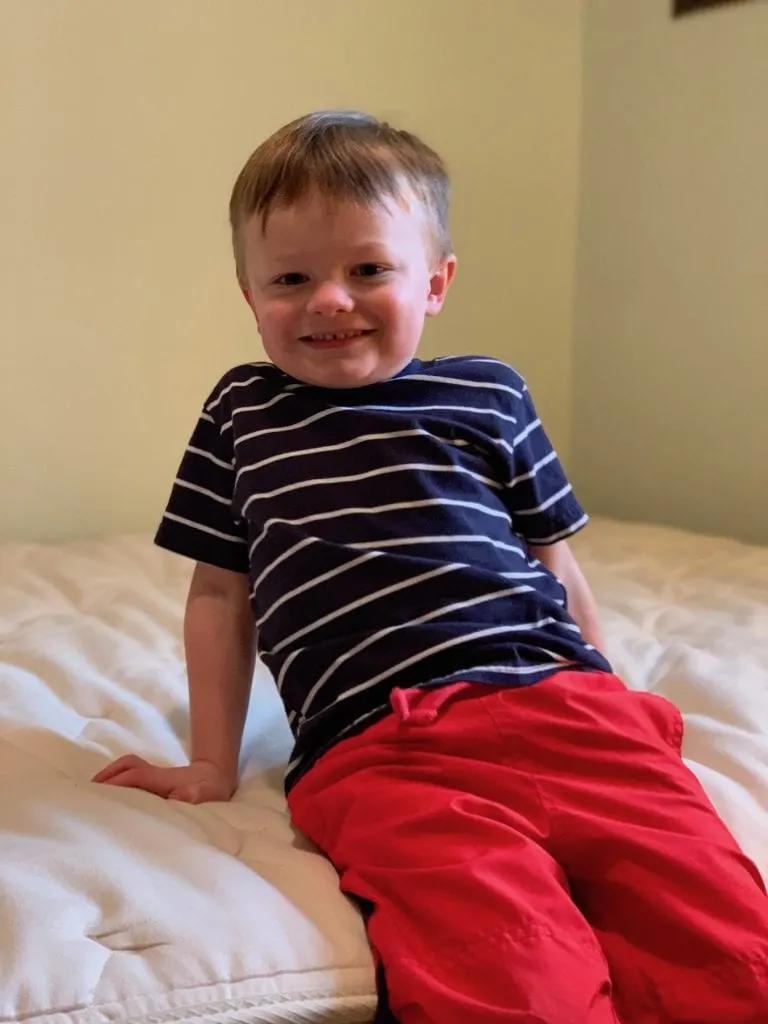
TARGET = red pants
(541,855)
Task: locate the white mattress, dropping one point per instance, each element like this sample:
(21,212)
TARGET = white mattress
(116,906)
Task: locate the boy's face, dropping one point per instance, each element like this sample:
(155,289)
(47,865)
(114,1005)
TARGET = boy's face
(340,290)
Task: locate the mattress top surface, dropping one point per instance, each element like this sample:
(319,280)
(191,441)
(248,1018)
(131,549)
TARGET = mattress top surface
(120,906)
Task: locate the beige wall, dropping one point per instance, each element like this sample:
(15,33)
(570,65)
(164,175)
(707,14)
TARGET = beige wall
(671,332)
(123,124)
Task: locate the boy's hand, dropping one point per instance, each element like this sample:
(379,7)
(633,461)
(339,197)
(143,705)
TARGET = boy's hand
(195,783)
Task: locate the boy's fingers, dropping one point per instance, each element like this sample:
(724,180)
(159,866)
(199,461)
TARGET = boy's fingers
(145,778)
(118,766)
(133,772)
(129,777)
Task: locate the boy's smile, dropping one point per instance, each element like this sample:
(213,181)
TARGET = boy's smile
(336,339)
(340,290)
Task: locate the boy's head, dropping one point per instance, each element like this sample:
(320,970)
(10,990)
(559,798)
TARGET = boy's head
(340,232)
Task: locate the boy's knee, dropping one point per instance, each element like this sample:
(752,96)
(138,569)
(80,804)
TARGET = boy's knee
(745,989)
(502,977)
(735,992)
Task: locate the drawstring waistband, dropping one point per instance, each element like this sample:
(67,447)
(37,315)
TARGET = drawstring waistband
(422,706)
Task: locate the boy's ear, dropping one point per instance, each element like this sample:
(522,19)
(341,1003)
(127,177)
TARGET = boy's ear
(439,284)
(249,299)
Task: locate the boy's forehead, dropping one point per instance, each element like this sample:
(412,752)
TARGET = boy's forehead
(316,220)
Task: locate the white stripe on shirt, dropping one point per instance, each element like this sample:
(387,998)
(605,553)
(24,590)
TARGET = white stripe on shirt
(533,425)
(468,538)
(442,408)
(428,652)
(225,391)
(211,458)
(369,475)
(412,581)
(362,439)
(316,581)
(567,532)
(203,529)
(254,408)
(532,471)
(395,506)
(436,613)
(551,500)
(203,490)
(487,385)
(281,558)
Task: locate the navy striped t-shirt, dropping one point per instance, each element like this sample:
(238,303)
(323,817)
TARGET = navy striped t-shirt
(384,530)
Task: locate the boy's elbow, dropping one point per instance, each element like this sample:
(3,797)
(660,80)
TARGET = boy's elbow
(213,581)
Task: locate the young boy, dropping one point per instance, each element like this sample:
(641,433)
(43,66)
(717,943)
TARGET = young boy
(519,825)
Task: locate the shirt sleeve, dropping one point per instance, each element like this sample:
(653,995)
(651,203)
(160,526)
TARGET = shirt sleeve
(538,495)
(199,522)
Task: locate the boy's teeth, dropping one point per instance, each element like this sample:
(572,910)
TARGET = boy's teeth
(342,336)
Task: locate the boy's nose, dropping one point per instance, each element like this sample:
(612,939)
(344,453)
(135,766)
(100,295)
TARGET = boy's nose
(329,298)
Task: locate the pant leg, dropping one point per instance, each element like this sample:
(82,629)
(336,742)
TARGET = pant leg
(680,912)
(472,919)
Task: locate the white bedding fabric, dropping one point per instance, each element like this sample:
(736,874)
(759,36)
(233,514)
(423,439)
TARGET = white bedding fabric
(116,906)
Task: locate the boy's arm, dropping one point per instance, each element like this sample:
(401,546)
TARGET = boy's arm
(544,511)
(220,643)
(201,523)
(560,560)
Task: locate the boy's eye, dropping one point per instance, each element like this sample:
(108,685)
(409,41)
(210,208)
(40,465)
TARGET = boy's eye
(369,270)
(294,278)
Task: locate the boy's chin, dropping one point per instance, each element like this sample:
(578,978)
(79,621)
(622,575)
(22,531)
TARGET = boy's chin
(341,368)
(344,373)
(342,379)
(363,376)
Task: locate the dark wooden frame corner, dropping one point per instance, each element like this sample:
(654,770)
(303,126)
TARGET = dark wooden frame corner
(682,7)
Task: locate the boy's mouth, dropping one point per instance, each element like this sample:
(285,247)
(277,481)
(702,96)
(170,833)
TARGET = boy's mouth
(335,339)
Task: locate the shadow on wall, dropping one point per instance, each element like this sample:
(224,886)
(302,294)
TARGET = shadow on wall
(671,323)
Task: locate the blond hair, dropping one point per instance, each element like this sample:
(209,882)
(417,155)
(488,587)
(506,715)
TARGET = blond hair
(343,155)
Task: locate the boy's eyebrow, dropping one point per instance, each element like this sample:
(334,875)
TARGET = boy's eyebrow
(298,256)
